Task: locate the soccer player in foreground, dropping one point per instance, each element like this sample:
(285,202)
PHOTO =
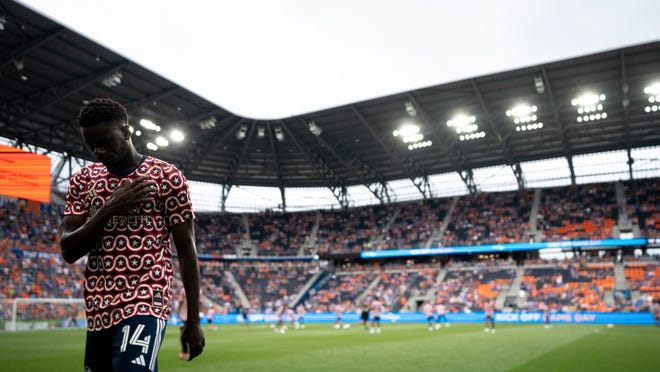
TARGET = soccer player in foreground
(120,213)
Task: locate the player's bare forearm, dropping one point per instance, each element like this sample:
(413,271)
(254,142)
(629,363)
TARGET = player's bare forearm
(184,240)
(79,237)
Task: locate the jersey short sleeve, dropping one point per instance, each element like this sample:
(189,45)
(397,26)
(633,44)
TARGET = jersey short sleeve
(176,194)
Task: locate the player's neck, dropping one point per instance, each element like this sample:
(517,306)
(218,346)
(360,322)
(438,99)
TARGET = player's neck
(129,164)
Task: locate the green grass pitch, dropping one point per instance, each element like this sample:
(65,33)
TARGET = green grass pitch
(400,347)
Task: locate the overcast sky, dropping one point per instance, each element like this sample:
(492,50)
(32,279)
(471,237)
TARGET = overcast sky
(273,59)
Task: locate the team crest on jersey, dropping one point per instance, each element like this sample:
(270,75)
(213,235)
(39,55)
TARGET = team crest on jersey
(91,194)
(157,298)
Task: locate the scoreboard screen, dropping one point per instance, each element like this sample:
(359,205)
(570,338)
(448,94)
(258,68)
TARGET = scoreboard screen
(24,174)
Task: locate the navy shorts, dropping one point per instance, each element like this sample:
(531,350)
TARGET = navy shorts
(131,345)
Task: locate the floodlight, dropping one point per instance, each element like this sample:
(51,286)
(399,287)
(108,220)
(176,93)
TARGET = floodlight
(150,125)
(176,135)
(162,141)
(525,117)
(589,107)
(261,131)
(653,91)
(413,138)
(407,129)
(152,146)
(461,120)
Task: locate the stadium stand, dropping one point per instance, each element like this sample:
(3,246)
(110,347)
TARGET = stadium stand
(570,285)
(643,205)
(352,229)
(466,289)
(643,277)
(265,283)
(490,218)
(578,212)
(31,266)
(218,234)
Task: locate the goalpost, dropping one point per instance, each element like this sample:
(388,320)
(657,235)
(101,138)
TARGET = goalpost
(46,313)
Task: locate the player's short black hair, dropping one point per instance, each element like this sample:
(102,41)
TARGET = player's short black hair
(102,110)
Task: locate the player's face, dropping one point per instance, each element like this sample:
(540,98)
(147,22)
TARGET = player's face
(109,143)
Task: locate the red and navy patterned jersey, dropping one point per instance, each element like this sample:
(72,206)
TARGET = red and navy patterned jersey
(130,269)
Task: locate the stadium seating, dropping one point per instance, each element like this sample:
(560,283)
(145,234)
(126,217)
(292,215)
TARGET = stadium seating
(218,234)
(467,289)
(571,286)
(280,234)
(31,265)
(644,277)
(578,212)
(643,205)
(489,218)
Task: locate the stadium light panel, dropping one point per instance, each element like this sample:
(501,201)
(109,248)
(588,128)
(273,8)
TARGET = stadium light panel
(410,134)
(524,117)
(466,127)
(653,91)
(589,107)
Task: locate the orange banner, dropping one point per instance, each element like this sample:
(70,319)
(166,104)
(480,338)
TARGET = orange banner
(24,174)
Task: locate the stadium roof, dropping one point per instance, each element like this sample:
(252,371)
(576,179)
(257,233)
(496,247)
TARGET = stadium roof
(47,71)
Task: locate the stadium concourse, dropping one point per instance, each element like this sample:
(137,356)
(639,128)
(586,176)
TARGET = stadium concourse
(260,261)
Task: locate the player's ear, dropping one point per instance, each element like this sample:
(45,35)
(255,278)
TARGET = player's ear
(126,131)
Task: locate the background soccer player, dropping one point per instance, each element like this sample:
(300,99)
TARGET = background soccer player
(489,309)
(300,320)
(120,213)
(376,308)
(441,315)
(364,315)
(427,309)
(338,312)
